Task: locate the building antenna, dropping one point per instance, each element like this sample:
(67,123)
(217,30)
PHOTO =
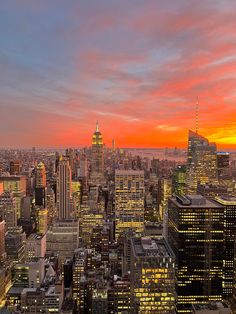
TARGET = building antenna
(197,114)
(97,127)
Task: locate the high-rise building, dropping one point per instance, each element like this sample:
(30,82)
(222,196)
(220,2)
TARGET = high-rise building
(229,204)
(222,162)
(15,167)
(2,241)
(83,167)
(8,209)
(119,296)
(202,162)
(97,162)
(164,191)
(41,217)
(70,154)
(79,268)
(76,197)
(3,283)
(196,234)
(35,247)
(99,301)
(63,239)
(64,190)
(15,246)
(225,173)
(89,220)
(68,273)
(234,280)
(129,200)
(17,185)
(179,180)
(152,276)
(51,206)
(40,184)
(29,275)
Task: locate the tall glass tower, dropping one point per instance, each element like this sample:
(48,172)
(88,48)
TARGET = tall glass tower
(202,162)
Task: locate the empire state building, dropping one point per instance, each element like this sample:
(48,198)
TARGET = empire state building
(97,161)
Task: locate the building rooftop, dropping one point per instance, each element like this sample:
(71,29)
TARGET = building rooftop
(15,290)
(129,172)
(150,247)
(226,199)
(212,306)
(194,201)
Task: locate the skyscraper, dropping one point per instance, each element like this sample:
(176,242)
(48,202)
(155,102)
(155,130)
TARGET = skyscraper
(179,180)
(129,200)
(152,276)
(8,209)
(40,184)
(2,241)
(97,162)
(64,190)
(202,162)
(229,204)
(222,162)
(195,233)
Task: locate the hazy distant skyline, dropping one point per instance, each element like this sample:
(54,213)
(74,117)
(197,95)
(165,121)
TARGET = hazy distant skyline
(135,66)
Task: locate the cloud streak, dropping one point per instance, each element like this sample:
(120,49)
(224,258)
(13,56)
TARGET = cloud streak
(136,67)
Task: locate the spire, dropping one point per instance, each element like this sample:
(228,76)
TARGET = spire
(97,127)
(197,109)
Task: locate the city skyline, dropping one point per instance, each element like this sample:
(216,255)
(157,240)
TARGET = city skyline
(137,67)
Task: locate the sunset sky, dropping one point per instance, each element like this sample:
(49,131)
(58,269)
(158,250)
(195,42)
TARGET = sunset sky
(135,66)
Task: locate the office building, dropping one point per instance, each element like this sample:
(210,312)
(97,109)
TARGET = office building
(76,197)
(196,235)
(202,162)
(88,221)
(179,180)
(64,207)
(40,185)
(229,205)
(2,283)
(79,268)
(33,300)
(129,201)
(35,247)
(29,275)
(8,210)
(99,301)
(62,239)
(15,246)
(41,217)
(2,241)
(152,276)
(119,297)
(223,159)
(16,185)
